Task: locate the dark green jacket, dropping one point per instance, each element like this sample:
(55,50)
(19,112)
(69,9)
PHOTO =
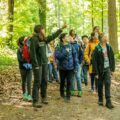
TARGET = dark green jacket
(98,59)
(38,49)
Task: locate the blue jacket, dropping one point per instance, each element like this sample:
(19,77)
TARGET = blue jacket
(67,60)
(79,51)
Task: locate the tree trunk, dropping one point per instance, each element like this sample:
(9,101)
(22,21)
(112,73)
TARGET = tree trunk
(102,14)
(10,20)
(112,23)
(92,20)
(42,12)
(58,13)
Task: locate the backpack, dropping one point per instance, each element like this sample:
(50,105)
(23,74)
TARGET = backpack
(26,50)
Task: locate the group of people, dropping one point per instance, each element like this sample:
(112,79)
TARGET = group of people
(68,63)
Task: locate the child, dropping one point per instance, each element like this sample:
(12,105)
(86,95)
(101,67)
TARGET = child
(39,59)
(104,65)
(88,57)
(77,76)
(85,66)
(68,62)
(25,70)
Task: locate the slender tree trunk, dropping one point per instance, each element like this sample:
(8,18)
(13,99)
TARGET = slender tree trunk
(83,17)
(42,12)
(10,20)
(92,15)
(102,18)
(112,23)
(58,14)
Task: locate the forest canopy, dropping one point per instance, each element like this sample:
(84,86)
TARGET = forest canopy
(18,17)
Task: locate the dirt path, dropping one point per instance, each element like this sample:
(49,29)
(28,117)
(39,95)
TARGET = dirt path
(86,108)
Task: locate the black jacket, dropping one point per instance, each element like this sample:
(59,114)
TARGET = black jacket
(38,49)
(21,61)
(98,59)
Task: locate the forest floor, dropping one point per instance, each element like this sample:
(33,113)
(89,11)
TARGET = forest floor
(12,107)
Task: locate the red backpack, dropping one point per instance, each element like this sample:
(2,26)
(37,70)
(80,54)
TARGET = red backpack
(25,50)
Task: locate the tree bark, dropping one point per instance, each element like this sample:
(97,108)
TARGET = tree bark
(58,13)
(10,19)
(102,14)
(92,20)
(42,12)
(112,23)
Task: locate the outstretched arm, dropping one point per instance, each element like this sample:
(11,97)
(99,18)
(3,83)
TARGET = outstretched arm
(55,35)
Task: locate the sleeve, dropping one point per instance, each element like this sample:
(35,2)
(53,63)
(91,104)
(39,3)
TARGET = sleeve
(54,35)
(33,55)
(112,59)
(61,54)
(86,54)
(19,56)
(95,62)
(75,58)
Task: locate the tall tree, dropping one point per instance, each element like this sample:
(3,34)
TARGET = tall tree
(42,12)
(10,19)
(102,15)
(92,20)
(112,22)
(58,13)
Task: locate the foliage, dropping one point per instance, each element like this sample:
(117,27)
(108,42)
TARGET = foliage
(78,15)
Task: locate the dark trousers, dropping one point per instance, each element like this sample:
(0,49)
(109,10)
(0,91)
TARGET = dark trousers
(85,73)
(104,79)
(40,82)
(94,82)
(26,76)
(65,77)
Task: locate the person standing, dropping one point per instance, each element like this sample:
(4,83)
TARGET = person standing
(39,59)
(88,58)
(77,75)
(104,66)
(68,63)
(85,65)
(25,70)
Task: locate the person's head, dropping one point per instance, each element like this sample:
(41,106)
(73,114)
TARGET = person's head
(72,33)
(96,29)
(39,29)
(93,37)
(103,38)
(63,38)
(20,41)
(85,39)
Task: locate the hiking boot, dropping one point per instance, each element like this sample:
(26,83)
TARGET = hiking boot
(109,105)
(72,93)
(37,104)
(24,96)
(86,84)
(100,103)
(63,96)
(44,100)
(29,98)
(67,99)
(79,93)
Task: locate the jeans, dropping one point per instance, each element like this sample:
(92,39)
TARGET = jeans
(85,73)
(65,79)
(26,76)
(104,79)
(77,77)
(40,82)
(53,71)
